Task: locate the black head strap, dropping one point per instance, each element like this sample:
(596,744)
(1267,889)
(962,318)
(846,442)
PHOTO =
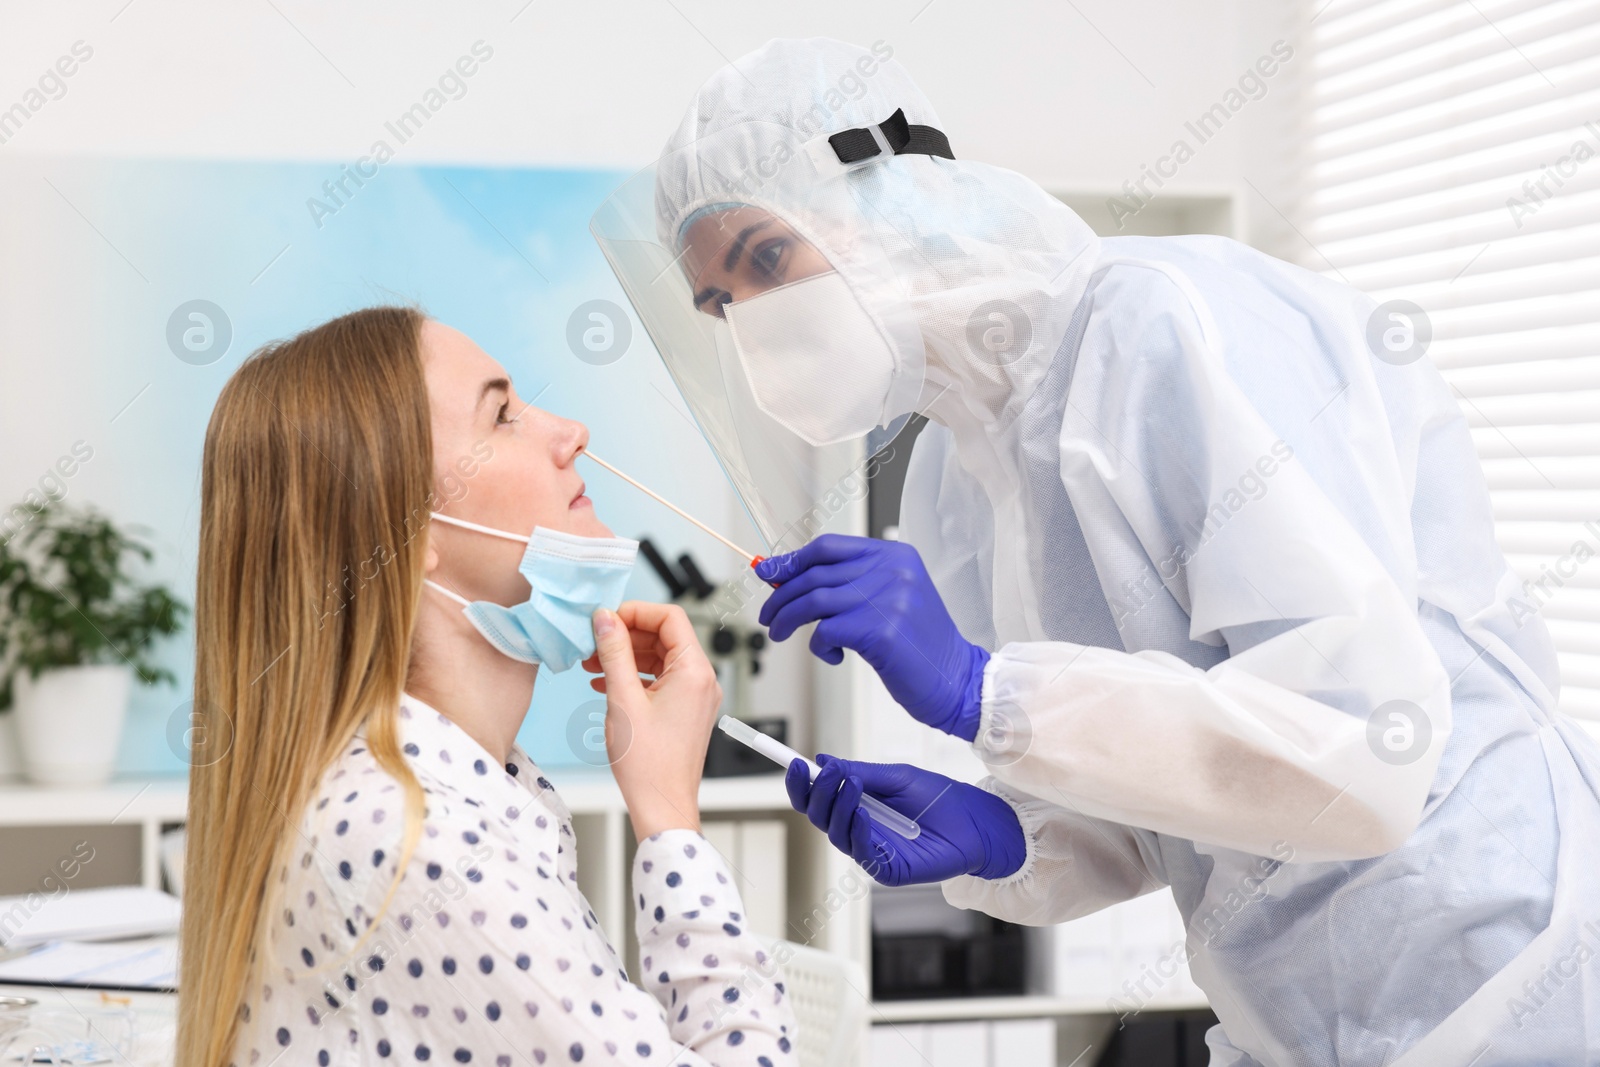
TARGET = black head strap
(852,146)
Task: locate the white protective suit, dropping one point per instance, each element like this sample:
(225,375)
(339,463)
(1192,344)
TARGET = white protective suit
(1249,621)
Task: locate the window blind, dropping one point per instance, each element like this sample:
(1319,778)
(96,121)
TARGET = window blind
(1454,161)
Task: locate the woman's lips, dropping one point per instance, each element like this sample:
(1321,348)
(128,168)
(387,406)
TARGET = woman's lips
(580,501)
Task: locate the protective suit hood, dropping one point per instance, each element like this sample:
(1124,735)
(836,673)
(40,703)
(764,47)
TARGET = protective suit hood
(984,267)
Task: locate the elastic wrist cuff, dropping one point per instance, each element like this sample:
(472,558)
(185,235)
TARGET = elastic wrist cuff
(971,710)
(1031,821)
(1005,842)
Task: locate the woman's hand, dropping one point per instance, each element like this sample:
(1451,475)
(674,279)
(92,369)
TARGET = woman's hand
(656,733)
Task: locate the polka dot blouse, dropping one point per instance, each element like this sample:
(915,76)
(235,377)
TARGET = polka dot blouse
(488,953)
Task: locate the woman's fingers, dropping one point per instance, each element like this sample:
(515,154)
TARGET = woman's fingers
(646,661)
(668,718)
(666,621)
(670,642)
(646,653)
(649,650)
(599,684)
(615,653)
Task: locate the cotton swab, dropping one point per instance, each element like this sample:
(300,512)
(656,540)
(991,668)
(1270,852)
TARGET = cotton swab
(658,498)
(783,755)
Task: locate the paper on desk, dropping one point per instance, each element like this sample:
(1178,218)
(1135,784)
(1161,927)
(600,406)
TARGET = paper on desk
(139,963)
(87,915)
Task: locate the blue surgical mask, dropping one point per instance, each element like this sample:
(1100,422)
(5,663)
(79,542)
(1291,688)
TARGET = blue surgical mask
(571,576)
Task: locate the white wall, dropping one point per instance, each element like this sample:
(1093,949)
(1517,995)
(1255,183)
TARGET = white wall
(1068,98)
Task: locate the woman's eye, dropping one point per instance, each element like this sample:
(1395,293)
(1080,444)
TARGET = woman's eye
(501,417)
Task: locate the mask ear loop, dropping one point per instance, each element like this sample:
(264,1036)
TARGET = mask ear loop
(451,593)
(464,524)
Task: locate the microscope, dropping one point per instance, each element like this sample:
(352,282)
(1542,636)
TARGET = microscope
(734,647)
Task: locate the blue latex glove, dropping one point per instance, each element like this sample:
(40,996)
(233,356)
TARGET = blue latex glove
(876,597)
(965,830)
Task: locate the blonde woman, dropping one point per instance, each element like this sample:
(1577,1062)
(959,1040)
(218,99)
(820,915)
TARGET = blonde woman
(376,872)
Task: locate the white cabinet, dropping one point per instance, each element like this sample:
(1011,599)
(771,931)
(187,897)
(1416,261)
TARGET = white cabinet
(1130,957)
(756,850)
(975,1043)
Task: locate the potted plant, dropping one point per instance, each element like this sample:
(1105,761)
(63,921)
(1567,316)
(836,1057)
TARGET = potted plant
(75,629)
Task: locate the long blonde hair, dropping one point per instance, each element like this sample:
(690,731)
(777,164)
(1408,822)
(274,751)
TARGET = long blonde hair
(317,476)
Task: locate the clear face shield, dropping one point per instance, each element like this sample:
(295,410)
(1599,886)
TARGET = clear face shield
(772,302)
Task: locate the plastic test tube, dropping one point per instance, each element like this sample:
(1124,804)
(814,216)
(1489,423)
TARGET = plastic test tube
(783,755)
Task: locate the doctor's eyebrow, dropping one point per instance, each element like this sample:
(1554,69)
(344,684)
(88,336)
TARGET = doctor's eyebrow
(737,249)
(502,384)
(732,258)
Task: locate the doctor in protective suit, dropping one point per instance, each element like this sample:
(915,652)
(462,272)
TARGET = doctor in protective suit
(1195,552)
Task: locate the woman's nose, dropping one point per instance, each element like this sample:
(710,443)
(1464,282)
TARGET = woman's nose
(570,439)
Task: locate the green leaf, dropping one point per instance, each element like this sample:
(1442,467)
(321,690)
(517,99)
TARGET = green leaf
(67,597)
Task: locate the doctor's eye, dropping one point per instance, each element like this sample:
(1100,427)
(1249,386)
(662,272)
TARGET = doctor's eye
(767,258)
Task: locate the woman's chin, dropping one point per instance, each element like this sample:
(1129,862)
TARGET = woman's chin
(582,520)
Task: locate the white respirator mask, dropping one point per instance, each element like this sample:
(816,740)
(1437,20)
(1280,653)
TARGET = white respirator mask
(815,360)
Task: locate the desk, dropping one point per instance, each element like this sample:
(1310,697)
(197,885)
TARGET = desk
(157,1016)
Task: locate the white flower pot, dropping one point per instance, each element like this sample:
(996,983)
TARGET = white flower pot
(10,758)
(69,722)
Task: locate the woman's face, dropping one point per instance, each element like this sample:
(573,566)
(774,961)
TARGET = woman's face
(497,462)
(742,252)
